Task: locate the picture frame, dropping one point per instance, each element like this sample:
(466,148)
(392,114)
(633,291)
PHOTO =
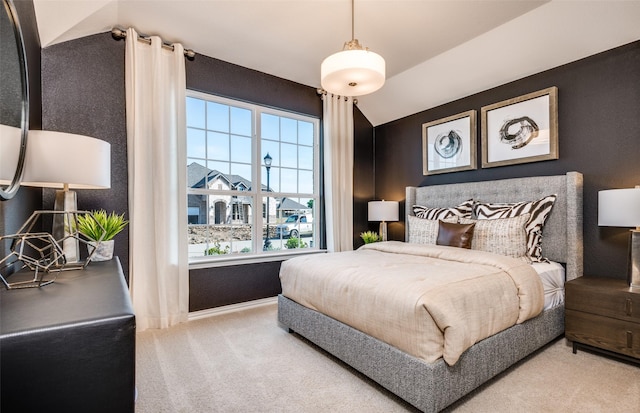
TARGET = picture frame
(520,130)
(449,144)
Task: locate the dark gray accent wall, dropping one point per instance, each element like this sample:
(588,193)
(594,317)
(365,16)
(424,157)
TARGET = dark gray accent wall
(216,287)
(209,75)
(599,135)
(84,93)
(363,175)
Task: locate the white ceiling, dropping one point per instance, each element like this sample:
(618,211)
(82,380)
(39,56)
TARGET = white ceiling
(436,51)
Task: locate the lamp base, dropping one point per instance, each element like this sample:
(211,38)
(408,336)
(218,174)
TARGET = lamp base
(634,260)
(383,230)
(66,201)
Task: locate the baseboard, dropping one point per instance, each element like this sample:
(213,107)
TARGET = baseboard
(210,312)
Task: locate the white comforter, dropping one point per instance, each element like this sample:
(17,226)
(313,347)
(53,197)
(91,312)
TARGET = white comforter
(428,301)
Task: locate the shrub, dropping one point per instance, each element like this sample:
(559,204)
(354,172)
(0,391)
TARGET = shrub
(295,243)
(217,249)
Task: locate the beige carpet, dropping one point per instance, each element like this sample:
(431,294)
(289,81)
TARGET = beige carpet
(244,362)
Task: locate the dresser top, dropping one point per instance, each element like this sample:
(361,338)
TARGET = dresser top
(98,292)
(601,282)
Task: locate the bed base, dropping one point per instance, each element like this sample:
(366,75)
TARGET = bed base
(428,386)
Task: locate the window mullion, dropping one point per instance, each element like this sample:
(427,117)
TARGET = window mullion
(257,179)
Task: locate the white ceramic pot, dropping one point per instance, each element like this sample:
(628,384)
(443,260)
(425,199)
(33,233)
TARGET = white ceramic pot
(104,250)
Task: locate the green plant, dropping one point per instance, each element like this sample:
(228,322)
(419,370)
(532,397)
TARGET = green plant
(217,249)
(295,243)
(98,225)
(369,237)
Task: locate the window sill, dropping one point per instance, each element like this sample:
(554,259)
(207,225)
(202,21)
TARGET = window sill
(251,259)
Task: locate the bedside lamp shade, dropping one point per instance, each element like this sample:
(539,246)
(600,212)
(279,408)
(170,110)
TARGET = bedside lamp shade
(59,160)
(621,208)
(383,211)
(66,161)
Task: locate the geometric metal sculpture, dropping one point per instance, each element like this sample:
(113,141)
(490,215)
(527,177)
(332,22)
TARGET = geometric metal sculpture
(37,251)
(40,251)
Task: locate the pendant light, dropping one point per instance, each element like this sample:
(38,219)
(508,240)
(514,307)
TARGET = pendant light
(355,71)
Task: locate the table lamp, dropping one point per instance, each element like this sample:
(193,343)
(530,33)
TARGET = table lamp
(383,211)
(621,208)
(66,161)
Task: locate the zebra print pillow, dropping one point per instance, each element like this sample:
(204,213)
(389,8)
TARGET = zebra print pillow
(539,211)
(462,210)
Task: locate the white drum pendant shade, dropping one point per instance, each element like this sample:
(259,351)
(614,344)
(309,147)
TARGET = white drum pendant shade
(352,73)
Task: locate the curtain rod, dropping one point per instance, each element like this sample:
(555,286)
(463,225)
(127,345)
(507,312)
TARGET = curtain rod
(117,33)
(323,92)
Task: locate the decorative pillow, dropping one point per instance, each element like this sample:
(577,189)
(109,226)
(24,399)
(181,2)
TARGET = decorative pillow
(462,210)
(539,211)
(455,235)
(425,231)
(506,236)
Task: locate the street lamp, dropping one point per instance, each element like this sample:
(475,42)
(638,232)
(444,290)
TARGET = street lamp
(267,164)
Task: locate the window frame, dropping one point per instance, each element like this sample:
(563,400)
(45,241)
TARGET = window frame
(256,193)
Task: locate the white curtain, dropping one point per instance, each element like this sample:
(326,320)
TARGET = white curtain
(156,129)
(338,170)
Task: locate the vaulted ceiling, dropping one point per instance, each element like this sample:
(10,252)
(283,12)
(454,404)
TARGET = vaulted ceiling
(436,51)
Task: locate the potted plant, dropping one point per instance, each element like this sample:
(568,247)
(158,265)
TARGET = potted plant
(100,228)
(369,237)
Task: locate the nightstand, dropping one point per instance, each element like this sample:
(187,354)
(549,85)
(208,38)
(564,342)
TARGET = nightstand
(69,346)
(604,315)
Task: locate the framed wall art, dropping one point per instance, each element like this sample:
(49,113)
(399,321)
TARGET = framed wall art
(521,130)
(449,144)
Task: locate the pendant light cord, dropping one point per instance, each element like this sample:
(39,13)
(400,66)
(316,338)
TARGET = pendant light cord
(353,19)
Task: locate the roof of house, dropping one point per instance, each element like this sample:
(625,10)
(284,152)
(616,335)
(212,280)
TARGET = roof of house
(291,205)
(197,173)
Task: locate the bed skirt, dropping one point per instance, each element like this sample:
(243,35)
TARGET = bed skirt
(428,386)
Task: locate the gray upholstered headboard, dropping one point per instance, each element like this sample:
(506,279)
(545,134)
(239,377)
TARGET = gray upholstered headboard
(562,234)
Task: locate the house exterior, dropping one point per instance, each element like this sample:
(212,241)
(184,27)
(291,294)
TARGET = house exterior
(219,208)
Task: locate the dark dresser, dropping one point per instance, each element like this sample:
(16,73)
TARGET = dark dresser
(69,346)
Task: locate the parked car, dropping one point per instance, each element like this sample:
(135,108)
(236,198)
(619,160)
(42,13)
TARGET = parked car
(295,226)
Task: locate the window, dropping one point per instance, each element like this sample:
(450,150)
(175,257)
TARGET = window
(252,178)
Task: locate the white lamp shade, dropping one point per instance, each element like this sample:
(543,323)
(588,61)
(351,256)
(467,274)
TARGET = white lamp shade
(383,210)
(619,208)
(352,72)
(10,139)
(55,158)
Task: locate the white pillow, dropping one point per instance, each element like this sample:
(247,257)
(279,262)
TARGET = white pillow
(504,236)
(425,231)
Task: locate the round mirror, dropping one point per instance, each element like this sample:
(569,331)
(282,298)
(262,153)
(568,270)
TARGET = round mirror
(14,101)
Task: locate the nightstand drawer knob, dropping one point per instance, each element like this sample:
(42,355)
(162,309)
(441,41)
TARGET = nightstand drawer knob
(629,339)
(628,306)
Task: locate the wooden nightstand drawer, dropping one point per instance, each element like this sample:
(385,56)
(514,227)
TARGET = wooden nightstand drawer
(608,333)
(601,296)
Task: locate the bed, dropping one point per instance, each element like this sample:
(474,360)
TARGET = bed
(432,386)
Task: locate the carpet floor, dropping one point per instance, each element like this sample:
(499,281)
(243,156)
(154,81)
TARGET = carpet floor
(244,362)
